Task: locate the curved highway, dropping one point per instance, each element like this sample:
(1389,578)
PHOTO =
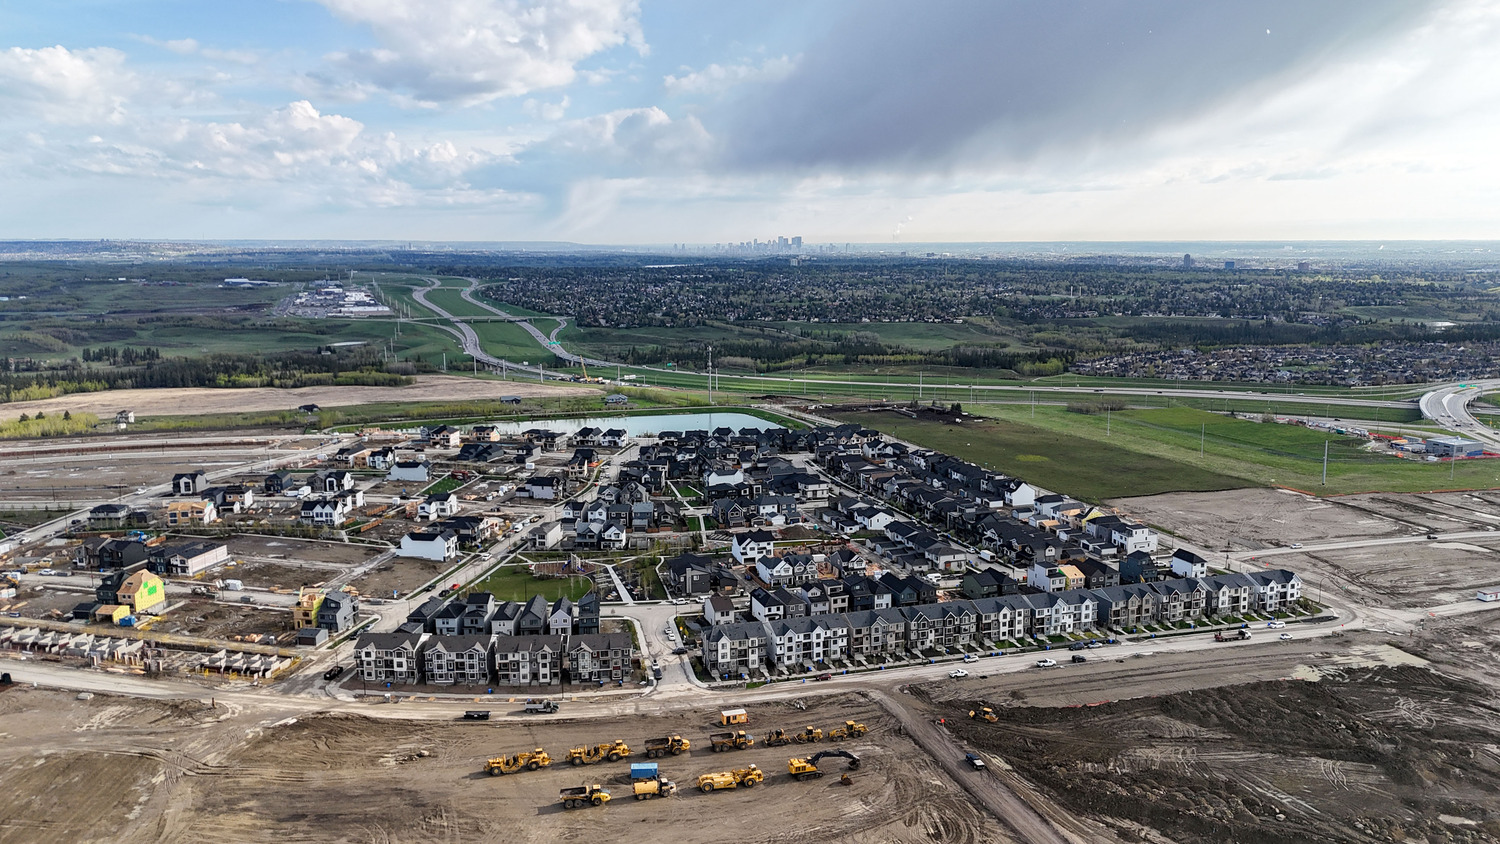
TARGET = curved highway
(1448,406)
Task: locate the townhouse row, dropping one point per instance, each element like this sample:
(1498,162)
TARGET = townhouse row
(408,658)
(733,649)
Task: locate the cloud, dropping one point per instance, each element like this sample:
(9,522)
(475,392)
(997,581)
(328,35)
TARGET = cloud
(473,51)
(717,78)
(66,86)
(641,140)
(925,88)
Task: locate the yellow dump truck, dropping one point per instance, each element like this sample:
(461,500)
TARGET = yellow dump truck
(735,740)
(528,761)
(675,745)
(722,780)
(613,752)
(583,795)
(654,787)
(985,714)
(849,730)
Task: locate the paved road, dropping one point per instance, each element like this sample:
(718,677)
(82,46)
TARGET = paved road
(1448,405)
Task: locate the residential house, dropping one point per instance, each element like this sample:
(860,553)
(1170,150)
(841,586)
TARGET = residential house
(435,545)
(874,633)
(599,657)
(333,481)
(1139,567)
(184,513)
(438,506)
(988,583)
(737,650)
(528,660)
(689,574)
(560,619)
(337,612)
(391,658)
(1185,563)
(718,609)
(544,487)
(410,471)
(108,515)
(458,660)
(786,570)
(808,643)
(746,548)
(277,483)
(187,559)
(189,483)
(445,436)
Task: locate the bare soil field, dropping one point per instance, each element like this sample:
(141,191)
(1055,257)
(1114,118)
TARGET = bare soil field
(101,476)
(295,551)
(37,602)
(201,400)
(146,772)
(1256,519)
(1421,574)
(399,574)
(212,620)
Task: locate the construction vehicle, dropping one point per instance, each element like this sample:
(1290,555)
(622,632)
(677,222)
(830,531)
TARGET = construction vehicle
(529,761)
(807,769)
(722,780)
(583,795)
(808,735)
(985,714)
(849,730)
(540,705)
(1241,634)
(736,740)
(654,787)
(777,738)
(675,745)
(612,752)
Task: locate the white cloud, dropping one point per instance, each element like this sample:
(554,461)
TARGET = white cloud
(717,78)
(66,86)
(645,139)
(475,51)
(546,111)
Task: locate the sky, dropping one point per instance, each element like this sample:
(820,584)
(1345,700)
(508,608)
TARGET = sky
(644,122)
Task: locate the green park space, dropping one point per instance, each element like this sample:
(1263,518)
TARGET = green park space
(516,583)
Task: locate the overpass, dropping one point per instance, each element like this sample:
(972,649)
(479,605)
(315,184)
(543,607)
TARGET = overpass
(1448,406)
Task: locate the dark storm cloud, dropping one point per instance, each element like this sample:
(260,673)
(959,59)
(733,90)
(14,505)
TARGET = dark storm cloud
(919,85)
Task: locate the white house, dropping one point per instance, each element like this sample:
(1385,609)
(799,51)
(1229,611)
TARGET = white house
(543,487)
(1187,564)
(718,609)
(439,506)
(414,471)
(751,546)
(438,546)
(1131,537)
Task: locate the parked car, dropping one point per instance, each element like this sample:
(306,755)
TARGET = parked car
(825,676)
(1093,645)
(1077,646)
(333,673)
(970,658)
(1276,625)
(679,651)
(958,673)
(975,761)
(1285,636)
(1045,663)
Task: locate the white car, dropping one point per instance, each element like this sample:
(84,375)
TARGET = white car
(1276,625)
(1046,663)
(1285,636)
(970,658)
(1296,545)
(958,673)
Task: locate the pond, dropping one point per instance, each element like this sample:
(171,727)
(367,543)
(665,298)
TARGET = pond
(637,426)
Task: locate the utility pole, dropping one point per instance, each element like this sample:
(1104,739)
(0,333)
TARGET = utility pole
(710,375)
(1325,463)
(1107,418)
(919,386)
(1203,436)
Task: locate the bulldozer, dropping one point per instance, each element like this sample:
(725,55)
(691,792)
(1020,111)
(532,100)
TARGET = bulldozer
(528,761)
(809,735)
(849,730)
(722,780)
(777,738)
(599,753)
(985,714)
(807,769)
(583,795)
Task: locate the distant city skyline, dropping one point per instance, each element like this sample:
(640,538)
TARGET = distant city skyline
(625,122)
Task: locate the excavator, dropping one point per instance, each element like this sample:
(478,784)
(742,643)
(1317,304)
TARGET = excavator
(807,769)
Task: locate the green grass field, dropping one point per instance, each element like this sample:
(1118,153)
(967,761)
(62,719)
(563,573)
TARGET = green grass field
(1258,453)
(515,583)
(922,336)
(1084,468)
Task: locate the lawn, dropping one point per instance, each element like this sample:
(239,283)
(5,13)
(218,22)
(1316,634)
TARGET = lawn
(1054,459)
(922,336)
(515,583)
(1254,453)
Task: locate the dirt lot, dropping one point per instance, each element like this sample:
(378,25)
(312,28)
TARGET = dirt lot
(1378,750)
(145,772)
(295,551)
(200,400)
(107,475)
(211,620)
(401,574)
(35,602)
(1256,519)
